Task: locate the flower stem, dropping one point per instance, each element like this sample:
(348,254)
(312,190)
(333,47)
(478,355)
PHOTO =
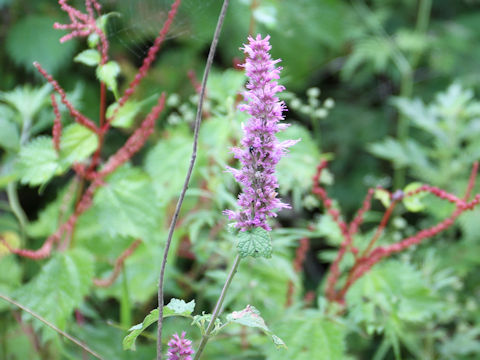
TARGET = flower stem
(218,306)
(198,120)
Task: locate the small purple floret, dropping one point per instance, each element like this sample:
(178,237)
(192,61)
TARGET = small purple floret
(179,348)
(260,150)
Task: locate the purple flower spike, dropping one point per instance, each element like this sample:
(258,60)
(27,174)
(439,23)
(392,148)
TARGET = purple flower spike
(260,150)
(179,348)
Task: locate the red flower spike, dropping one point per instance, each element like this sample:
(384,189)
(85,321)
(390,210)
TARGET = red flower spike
(300,256)
(371,255)
(84,25)
(80,118)
(358,220)
(193,80)
(57,125)
(147,62)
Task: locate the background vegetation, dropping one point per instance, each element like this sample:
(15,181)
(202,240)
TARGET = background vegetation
(386,90)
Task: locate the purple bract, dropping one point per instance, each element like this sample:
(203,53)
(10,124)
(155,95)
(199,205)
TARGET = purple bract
(179,348)
(260,150)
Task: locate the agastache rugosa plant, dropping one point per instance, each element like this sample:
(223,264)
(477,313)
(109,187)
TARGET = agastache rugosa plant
(260,154)
(261,150)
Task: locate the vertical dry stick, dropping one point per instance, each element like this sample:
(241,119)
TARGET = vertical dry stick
(198,120)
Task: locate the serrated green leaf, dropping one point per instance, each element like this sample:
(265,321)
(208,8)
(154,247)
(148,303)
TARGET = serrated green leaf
(126,205)
(89,57)
(77,143)
(309,335)
(107,74)
(59,288)
(167,164)
(10,276)
(36,98)
(178,307)
(255,242)
(175,307)
(413,203)
(251,317)
(38,162)
(9,136)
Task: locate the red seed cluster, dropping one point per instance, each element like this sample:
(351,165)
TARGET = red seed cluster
(82,25)
(372,255)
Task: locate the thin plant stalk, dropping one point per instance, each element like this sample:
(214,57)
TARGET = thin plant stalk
(218,306)
(16,207)
(198,120)
(49,324)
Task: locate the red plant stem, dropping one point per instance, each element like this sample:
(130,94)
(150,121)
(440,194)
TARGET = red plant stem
(358,220)
(29,331)
(118,266)
(57,125)
(102,103)
(328,203)
(381,228)
(371,256)
(442,194)
(80,118)
(471,181)
(101,133)
(300,256)
(147,62)
(381,252)
(334,272)
(193,80)
(133,144)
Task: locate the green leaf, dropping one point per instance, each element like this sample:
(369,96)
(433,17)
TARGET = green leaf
(413,203)
(255,242)
(309,335)
(225,84)
(295,171)
(44,46)
(9,136)
(36,98)
(390,291)
(167,164)
(77,143)
(126,205)
(10,276)
(384,197)
(107,74)
(59,288)
(93,40)
(250,317)
(178,307)
(88,57)
(38,162)
(125,116)
(175,307)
